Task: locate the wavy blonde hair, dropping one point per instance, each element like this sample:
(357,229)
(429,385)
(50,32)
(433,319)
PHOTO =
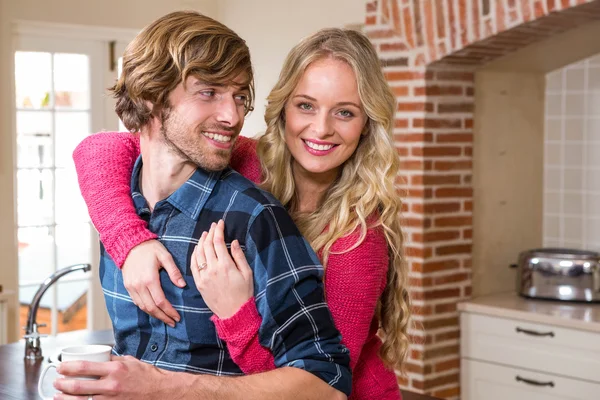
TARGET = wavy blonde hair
(365,186)
(170,49)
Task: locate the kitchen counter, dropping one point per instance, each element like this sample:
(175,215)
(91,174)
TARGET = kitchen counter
(18,378)
(581,316)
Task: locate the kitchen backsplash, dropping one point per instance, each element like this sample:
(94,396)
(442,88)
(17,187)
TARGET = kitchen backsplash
(572,156)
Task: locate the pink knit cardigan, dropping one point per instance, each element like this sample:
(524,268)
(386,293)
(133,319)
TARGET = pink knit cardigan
(354,280)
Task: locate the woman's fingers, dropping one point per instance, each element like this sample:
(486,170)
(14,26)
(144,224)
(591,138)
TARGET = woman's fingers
(219,243)
(209,247)
(240,260)
(194,266)
(167,262)
(151,308)
(199,250)
(135,297)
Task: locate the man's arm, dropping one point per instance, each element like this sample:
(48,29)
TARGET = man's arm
(283,383)
(297,325)
(129,378)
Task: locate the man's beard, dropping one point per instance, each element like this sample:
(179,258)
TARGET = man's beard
(186,142)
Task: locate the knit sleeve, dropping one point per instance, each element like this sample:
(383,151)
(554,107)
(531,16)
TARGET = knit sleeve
(104,163)
(354,281)
(244,158)
(240,332)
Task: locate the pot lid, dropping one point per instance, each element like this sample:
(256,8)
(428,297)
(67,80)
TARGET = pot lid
(555,252)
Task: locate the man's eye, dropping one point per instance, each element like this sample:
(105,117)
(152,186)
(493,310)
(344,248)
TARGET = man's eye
(241,99)
(208,93)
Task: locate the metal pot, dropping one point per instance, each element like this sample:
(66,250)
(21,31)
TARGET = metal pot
(559,274)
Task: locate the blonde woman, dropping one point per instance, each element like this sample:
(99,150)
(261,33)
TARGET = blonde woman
(328,156)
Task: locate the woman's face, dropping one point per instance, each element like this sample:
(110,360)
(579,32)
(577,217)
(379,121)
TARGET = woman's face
(324,118)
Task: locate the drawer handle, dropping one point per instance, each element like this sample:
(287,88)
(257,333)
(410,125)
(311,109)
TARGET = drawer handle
(532,382)
(534,333)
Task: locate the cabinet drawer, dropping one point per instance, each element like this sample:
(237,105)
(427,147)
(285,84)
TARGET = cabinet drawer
(544,348)
(485,381)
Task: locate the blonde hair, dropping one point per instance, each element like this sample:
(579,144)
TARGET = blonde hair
(170,49)
(365,186)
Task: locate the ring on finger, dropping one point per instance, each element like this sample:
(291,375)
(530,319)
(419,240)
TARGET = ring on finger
(202,266)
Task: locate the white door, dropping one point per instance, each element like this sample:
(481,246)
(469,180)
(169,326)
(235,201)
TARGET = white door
(60,99)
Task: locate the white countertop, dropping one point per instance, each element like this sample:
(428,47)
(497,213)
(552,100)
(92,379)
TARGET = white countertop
(510,305)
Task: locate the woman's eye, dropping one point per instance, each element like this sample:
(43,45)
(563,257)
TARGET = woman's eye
(346,114)
(305,106)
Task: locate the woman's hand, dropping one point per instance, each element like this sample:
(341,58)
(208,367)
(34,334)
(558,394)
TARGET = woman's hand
(142,281)
(225,283)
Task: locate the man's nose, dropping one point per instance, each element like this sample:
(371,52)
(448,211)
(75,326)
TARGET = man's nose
(228,112)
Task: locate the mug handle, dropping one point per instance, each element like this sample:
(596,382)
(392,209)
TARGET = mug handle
(41,381)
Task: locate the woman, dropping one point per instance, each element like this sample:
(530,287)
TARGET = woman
(328,156)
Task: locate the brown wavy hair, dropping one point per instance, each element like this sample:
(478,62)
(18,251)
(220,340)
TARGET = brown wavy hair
(170,49)
(365,186)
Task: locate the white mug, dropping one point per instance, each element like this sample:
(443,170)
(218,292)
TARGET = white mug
(89,352)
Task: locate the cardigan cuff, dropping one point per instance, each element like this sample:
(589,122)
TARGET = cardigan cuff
(128,238)
(241,326)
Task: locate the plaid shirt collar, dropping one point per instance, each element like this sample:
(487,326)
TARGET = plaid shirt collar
(189,198)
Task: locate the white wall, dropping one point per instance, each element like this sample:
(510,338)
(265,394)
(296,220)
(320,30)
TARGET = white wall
(119,13)
(571,163)
(273,27)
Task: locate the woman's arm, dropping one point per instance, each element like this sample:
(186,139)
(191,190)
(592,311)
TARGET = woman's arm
(104,164)
(240,332)
(354,282)
(236,317)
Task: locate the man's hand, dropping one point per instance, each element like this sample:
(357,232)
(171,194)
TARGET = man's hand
(130,379)
(123,378)
(141,279)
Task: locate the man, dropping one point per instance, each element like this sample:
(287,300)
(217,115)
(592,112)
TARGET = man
(186,87)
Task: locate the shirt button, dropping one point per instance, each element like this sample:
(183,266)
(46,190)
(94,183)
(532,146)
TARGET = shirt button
(154,347)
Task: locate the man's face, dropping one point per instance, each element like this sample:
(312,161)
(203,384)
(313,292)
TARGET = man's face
(204,120)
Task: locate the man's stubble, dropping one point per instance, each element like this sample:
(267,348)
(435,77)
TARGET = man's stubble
(186,142)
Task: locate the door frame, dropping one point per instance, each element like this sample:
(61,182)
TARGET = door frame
(98,319)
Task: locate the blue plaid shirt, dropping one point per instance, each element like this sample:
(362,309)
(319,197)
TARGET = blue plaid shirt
(296,323)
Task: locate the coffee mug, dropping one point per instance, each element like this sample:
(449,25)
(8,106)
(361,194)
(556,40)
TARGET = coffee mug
(90,352)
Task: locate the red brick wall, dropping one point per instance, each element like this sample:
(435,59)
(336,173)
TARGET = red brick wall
(430,50)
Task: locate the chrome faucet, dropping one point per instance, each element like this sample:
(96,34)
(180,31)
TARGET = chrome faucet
(33,349)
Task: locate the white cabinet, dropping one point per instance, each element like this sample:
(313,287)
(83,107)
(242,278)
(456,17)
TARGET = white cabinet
(489,381)
(502,358)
